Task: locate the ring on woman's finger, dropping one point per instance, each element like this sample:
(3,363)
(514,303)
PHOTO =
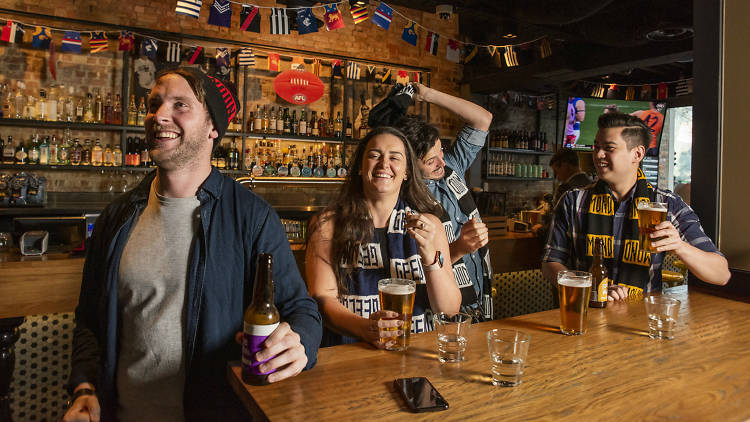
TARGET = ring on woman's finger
(421,225)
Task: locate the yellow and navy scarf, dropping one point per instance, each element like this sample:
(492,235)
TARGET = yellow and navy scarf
(598,222)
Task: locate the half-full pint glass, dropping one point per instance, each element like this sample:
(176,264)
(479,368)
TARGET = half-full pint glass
(397,295)
(650,214)
(574,288)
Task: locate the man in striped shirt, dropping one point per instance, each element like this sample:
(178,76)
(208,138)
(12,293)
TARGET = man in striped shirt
(606,209)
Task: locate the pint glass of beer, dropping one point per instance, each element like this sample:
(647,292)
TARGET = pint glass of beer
(574,288)
(397,295)
(650,214)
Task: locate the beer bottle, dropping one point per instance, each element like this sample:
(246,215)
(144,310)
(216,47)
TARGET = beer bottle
(599,280)
(260,320)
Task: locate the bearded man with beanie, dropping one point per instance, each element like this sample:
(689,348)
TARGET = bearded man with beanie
(170,270)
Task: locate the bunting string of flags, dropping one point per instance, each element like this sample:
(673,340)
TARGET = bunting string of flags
(644,92)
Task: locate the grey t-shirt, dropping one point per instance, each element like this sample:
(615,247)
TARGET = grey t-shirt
(151,294)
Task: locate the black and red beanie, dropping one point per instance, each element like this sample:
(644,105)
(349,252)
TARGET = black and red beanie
(220,98)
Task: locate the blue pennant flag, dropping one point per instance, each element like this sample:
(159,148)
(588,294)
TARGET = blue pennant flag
(306,22)
(383,16)
(71,42)
(149,48)
(410,33)
(40,38)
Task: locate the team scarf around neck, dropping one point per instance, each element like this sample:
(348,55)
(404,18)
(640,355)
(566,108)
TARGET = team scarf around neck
(461,274)
(598,222)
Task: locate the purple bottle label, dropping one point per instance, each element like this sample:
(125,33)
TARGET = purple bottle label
(252,338)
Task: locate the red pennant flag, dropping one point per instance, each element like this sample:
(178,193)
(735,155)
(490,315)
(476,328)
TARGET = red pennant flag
(662,91)
(273,62)
(403,77)
(52,59)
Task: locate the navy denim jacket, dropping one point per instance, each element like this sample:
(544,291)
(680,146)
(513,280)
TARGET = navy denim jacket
(236,225)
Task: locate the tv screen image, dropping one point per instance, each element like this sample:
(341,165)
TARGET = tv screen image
(582,114)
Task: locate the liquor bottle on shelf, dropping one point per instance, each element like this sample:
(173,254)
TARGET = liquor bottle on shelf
(86,153)
(303,124)
(348,129)
(132,111)
(322,125)
(108,156)
(249,126)
(98,107)
(70,105)
(279,122)
(33,157)
(287,128)
(247,158)
(136,151)
(97,154)
(41,106)
(141,115)
(88,110)
(234,156)
(57,104)
(257,167)
(258,121)
(117,155)
(63,154)
(331,125)
(7,103)
(108,109)
(75,153)
(265,122)
(315,129)
(19,101)
(9,151)
(145,157)
(364,111)
(53,150)
(117,111)
(272,120)
(338,126)
(21,155)
(30,110)
(295,123)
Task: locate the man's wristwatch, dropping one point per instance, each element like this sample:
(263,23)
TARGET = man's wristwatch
(438,264)
(79,393)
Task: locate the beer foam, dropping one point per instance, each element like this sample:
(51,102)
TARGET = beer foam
(397,289)
(646,206)
(572,282)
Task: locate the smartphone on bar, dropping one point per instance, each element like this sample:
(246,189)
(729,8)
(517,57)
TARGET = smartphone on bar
(420,395)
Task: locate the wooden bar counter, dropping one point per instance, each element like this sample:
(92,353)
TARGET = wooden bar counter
(613,372)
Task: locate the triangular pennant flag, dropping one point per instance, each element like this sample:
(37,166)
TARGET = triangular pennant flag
(71,42)
(332,17)
(359,14)
(370,70)
(471,54)
(646,92)
(403,77)
(545,49)
(383,16)
(190,8)
(149,47)
(452,52)
(127,41)
(298,63)
(630,94)
(352,71)
(511,58)
(273,62)
(410,33)
(195,55)
(222,57)
(40,38)
(250,18)
(52,60)
(220,13)
(316,67)
(279,21)
(173,52)
(598,91)
(431,46)
(336,68)
(386,77)
(684,87)
(662,91)
(492,49)
(245,57)
(417,77)
(9,32)
(306,22)
(98,42)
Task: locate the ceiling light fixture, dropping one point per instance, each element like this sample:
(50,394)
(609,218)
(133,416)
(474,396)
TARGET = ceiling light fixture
(444,11)
(674,33)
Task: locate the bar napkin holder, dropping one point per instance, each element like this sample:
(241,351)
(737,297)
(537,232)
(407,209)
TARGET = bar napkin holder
(34,242)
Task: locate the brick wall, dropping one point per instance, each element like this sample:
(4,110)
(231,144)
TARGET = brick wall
(87,72)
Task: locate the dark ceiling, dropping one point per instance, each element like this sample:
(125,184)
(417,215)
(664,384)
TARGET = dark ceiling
(615,41)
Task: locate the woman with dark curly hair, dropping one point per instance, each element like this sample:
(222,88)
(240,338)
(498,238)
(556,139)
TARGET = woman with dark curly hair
(382,224)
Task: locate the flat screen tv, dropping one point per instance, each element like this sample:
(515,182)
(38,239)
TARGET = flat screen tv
(582,113)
